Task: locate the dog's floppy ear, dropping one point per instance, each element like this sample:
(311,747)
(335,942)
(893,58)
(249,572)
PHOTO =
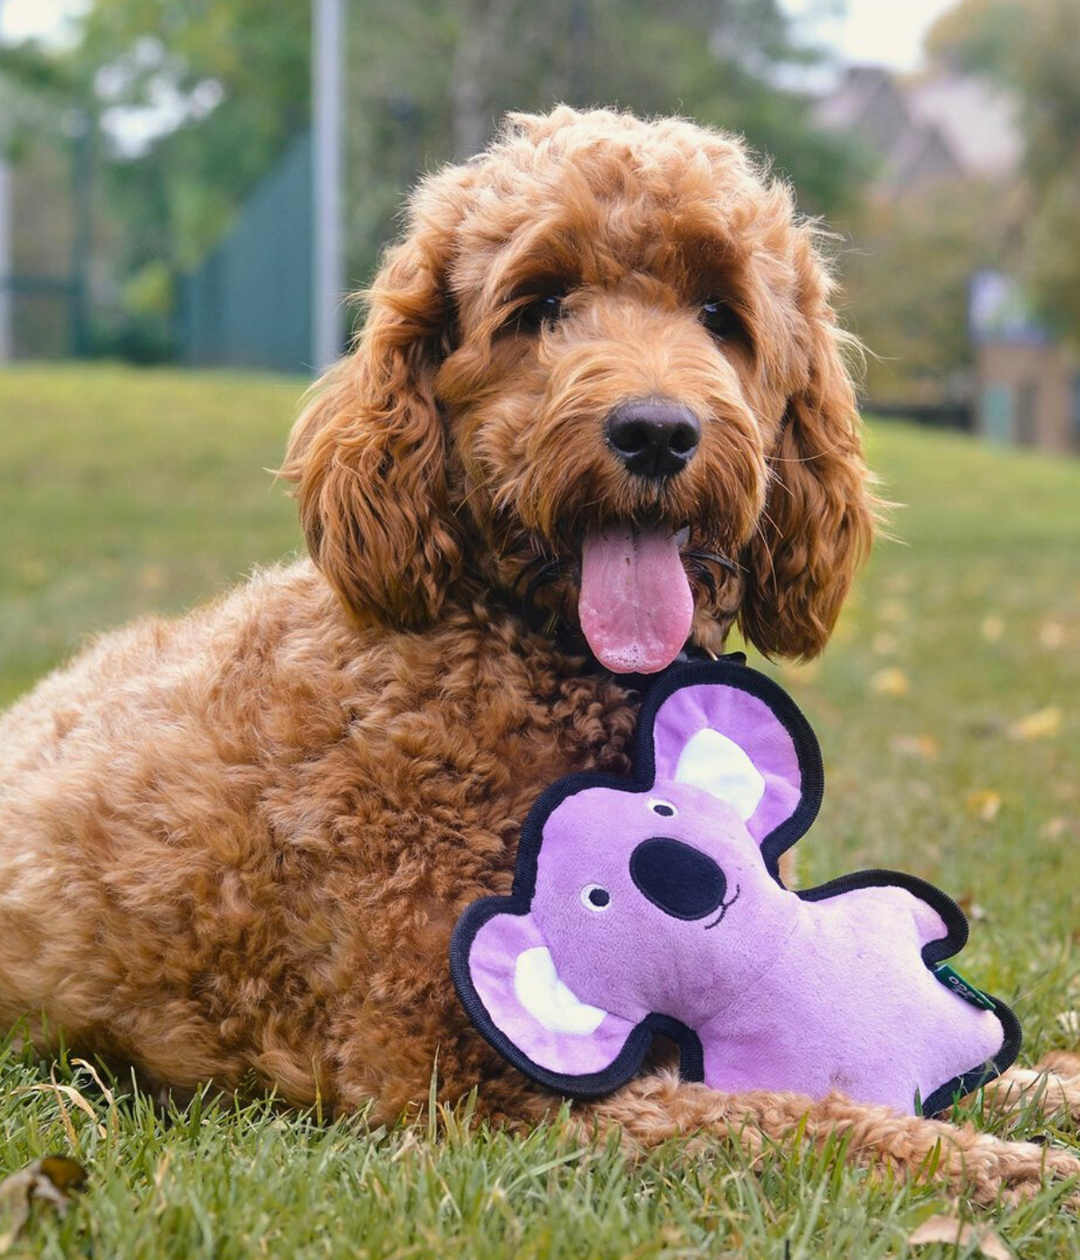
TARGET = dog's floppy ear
(819,518)
(368,453)
(732,732)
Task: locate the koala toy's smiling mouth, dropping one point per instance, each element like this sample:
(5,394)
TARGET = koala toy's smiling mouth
(725,908)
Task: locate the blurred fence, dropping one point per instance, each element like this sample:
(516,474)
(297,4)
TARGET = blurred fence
(47,287)
(250,302)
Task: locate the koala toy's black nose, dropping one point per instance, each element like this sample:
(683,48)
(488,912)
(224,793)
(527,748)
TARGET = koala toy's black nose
(653,437)
(678,878)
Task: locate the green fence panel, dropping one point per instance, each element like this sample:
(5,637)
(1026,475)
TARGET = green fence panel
(249,304)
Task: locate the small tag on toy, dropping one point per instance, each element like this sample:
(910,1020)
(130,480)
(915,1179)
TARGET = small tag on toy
(962,988)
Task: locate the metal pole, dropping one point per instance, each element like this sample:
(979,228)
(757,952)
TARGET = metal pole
(82,235)
(327,75)
(7,348)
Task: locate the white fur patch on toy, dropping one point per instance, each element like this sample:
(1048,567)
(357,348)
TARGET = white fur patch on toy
(718,765)
(548,1000)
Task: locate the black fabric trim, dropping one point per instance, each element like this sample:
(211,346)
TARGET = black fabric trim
(934,952)
(945,1095)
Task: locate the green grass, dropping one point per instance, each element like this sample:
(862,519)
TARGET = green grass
(123,492)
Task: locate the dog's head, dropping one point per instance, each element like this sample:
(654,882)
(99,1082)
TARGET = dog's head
(600,373)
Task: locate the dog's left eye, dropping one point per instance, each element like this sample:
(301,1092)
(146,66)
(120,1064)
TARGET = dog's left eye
(540,312)
(719,318)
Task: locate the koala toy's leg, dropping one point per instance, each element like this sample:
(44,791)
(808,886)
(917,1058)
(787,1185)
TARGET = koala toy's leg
(653,1109)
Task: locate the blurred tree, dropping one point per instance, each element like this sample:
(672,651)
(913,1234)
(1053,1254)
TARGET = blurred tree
(429,79)
(188,103)
(1033,46)
(906,287)
(196,100)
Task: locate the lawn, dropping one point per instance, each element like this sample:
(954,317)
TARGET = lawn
(948,708)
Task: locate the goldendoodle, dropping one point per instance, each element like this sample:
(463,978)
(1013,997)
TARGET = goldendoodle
(599,411)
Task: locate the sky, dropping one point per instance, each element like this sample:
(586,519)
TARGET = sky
(887,32)
(879,32)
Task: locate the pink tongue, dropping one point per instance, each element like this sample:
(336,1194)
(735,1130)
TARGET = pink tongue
(635,605)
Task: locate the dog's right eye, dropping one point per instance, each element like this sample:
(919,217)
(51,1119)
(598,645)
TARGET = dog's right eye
(539,312)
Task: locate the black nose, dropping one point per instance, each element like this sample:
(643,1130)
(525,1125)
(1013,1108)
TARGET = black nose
(652,437)
(681,880)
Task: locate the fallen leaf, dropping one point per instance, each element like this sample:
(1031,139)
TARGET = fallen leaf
(1038,725)
(889,682)
(972,908)
(958,1233)
(925,746)
(50,1179)
(1052,635)
(1070,1023)
(893,610)
(992,628)
(805,672)
(985,805)
(33,571)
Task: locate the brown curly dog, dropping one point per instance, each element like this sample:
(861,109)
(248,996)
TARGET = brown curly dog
(598,409)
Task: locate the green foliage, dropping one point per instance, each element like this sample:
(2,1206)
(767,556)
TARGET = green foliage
(906,286)
(978,36)
(1033,47)
(426,81)
(180,194)
(123,491)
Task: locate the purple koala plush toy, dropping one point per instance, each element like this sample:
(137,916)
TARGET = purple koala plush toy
(654,905)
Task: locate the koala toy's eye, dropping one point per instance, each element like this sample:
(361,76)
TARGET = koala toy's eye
(664,808)
(595,898)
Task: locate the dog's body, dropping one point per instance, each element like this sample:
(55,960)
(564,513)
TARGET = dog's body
(602,363)
(236,845)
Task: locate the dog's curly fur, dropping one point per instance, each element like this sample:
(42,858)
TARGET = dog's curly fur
(234,846)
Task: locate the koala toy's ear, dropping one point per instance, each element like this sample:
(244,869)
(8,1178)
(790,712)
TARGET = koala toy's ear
(730,731)
(508,983)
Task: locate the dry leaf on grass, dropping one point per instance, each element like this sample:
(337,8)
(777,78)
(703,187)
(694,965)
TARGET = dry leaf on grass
(889,682)
(992,628)
(1052,635)
(50,1179)
(957,1233)
(1054,828)
(894,611)
(884,644)
(925,746)
(985,805)
(1038,725)
(1070,1023)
